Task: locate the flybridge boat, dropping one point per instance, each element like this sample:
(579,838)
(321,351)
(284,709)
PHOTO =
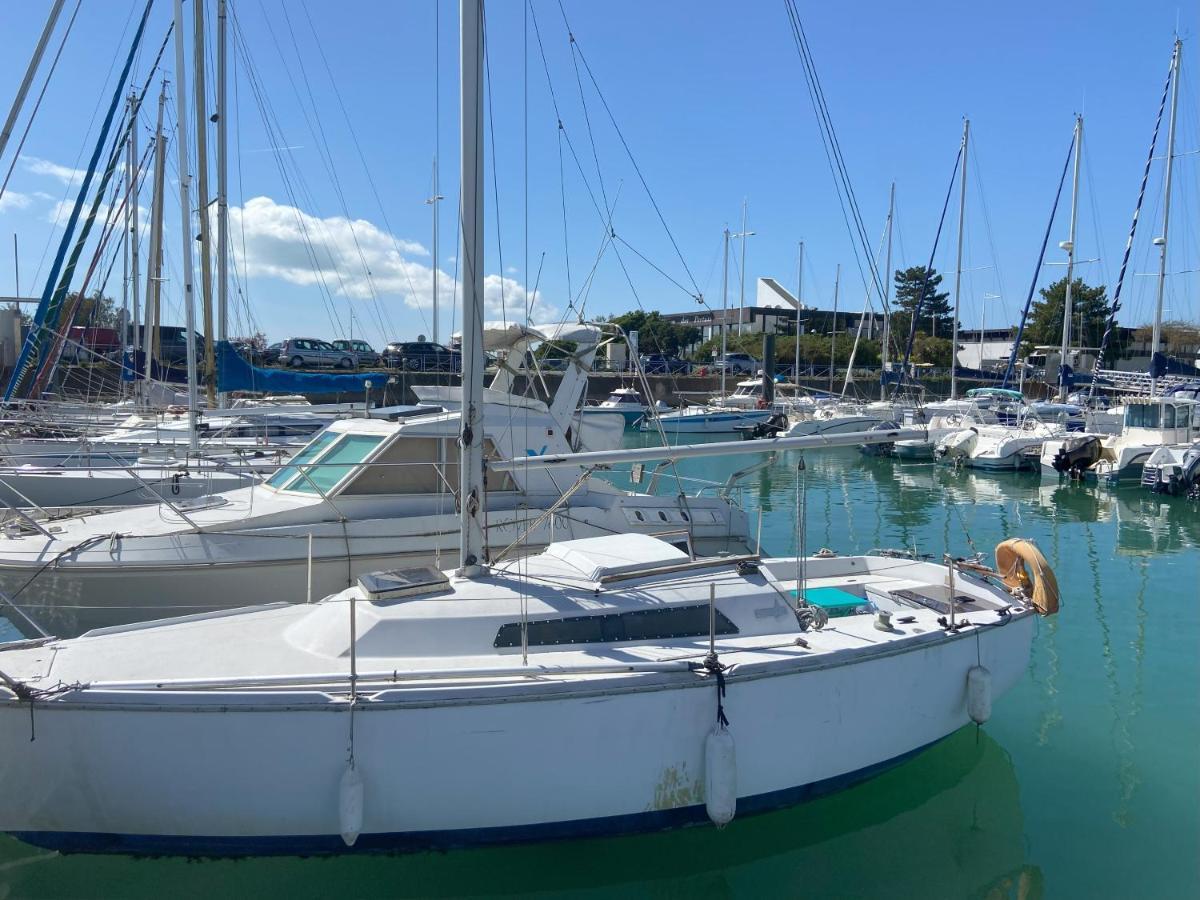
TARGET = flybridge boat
(361,493)
(671,681)
(1149,424)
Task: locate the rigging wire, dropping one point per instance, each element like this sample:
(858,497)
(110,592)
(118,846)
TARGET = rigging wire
(860,242)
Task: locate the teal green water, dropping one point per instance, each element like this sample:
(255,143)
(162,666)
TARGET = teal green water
(1085,783)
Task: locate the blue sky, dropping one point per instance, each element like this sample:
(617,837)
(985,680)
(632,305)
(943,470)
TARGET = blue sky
(711,101)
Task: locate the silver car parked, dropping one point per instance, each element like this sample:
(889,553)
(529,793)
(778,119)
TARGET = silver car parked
(313,353)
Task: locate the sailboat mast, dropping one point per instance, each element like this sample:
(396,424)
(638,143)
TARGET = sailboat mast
(222,180)
(154,270)
(1069,246)
(31,70)
(202,199)
(837,280)
(799,304)
(887,292)
(725,313)
(126,231)
(131,205)
(742,272)
(471,216)
(433,201)
(1156,337)
(185,212)
(962,209)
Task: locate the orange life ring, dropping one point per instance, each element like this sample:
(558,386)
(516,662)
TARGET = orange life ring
(1013,556)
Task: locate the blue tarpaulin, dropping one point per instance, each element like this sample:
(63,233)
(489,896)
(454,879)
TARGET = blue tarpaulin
(235,374)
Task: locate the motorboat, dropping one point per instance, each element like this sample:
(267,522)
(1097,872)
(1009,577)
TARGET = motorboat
(838,417)
(997,447)
(1149,424)
(627,401)
(705,419)
(1173,470)
(939,419)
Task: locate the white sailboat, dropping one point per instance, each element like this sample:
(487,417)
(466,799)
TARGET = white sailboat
(618,683)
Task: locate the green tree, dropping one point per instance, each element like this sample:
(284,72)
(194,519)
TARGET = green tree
(1089,306)
(656,334)
(95,311)
(933,351)
(937,319)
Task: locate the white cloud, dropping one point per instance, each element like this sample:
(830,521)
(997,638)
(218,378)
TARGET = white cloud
(13,200)
(356,259)
(65,174)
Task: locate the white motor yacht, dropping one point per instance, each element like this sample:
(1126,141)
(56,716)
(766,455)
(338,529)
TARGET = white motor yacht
(1149,424)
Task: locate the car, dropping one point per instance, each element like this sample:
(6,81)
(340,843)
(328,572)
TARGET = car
(363,351)
(421,356)
(662,364)
(172,344)
(737,364)
(270,356)
(314,353)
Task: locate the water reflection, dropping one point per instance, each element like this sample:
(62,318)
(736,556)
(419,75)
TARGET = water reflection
(948,824)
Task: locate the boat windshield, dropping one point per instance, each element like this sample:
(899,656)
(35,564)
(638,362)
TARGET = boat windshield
(325,462)
(623,398)
(1144,415)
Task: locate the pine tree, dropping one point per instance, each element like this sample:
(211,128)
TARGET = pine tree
(936,318)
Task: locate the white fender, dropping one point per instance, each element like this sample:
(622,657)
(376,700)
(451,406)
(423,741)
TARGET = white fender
(979,694)
(350,805)
(720,776)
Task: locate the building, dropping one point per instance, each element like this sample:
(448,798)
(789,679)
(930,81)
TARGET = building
(775,311)
(985,350)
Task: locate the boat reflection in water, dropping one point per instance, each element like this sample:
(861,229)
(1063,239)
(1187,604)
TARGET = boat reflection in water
(947,824)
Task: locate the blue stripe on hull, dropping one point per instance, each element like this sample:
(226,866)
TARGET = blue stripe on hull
(418,841)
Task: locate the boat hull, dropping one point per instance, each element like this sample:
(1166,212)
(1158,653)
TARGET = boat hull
(712,422)
(197,775)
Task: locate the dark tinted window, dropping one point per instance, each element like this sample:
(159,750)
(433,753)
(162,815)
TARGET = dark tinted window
(641,625)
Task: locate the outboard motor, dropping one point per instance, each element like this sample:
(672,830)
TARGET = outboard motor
(773,427)
(957,444)
(888,449)
(1077,455)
